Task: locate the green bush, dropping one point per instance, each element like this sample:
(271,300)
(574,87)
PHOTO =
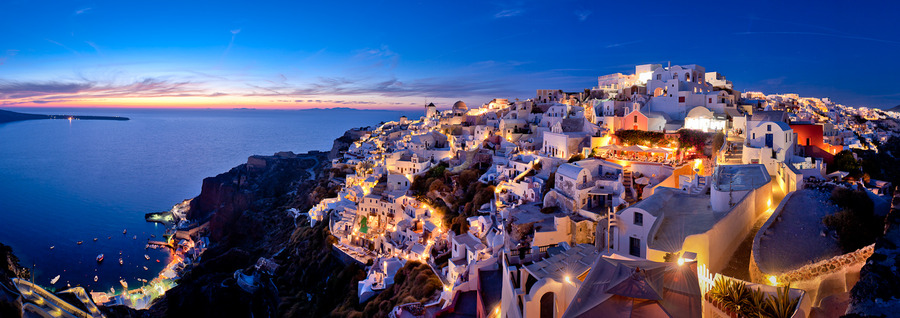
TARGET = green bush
(639,137)
(856,224)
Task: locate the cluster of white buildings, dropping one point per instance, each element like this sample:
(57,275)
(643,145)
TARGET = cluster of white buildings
(573,204)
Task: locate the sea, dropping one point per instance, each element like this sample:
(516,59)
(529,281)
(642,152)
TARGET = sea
(64,181)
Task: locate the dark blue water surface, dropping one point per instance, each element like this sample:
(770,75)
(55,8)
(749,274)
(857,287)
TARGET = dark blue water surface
(63,182)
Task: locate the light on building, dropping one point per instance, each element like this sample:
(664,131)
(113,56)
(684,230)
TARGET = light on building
(568,279)
(680,261)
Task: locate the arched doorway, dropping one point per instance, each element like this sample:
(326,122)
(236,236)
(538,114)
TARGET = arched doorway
(658,92)
(548,306)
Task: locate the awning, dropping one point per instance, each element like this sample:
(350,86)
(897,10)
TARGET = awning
(634,148)
(611,147)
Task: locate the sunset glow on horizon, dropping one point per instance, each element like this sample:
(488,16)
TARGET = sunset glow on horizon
(398,55)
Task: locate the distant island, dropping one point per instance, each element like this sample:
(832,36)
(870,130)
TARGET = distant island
(10,116)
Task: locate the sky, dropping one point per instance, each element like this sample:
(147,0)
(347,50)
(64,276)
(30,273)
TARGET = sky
(399,54)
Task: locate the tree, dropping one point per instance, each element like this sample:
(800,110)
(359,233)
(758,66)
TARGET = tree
(718,141)
(639,137)
(576,157)
(844,161)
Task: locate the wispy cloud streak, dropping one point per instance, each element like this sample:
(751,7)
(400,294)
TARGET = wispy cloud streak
(508,13)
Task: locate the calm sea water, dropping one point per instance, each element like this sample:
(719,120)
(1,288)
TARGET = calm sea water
(63,182)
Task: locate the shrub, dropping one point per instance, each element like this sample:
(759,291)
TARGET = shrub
(856,224)
(639,137)
(576,157)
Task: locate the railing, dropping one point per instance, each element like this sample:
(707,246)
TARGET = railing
(705,278)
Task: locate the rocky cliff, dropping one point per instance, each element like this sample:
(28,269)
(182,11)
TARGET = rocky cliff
(877,293)
(10,302)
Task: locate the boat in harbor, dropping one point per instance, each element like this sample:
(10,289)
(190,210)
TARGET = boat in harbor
(54,280)
(125,231)
(52,247)
(79,242)
(145,268)
(95,239)
(120,261)
(134,238)
(96,278)
(124,284)
(147,257)
(100,258)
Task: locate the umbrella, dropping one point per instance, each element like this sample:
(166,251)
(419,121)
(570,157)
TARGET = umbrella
(642,180)
(611,147)
(658,150)
(634,148)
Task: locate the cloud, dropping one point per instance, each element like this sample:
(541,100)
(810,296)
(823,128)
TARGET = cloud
(63,46)
(382,56)
(24,92)
(234,34)
(582,14)
(79,12)
(623,44)
(391,87)
(94,46)
(508,13)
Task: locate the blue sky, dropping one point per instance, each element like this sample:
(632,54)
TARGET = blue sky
(389,54)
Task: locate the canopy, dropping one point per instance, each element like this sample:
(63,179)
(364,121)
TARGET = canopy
(642,180)
(634,148)
(611,147)
(658,150)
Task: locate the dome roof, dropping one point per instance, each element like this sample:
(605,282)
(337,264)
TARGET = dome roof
(460,105)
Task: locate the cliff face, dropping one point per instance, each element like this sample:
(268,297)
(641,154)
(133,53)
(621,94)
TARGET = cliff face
(10,303)
(343,143)
(255,186)
(247,210)
(877,293)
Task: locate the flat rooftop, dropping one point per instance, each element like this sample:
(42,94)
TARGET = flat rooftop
(572,263)
(682,214)
(740,177)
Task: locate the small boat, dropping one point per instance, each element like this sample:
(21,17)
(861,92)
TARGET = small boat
(54,280)
(145,268)
(95,239)
(52,247)
(96,278)
(100,258)
(157,261)
(124,231)
(109,237)
(152,235)
(124,284)
(112,290)
(79,242)
(134,238)
(120,261)
(147,257)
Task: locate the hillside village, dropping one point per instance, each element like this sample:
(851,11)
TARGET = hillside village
(652,194)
